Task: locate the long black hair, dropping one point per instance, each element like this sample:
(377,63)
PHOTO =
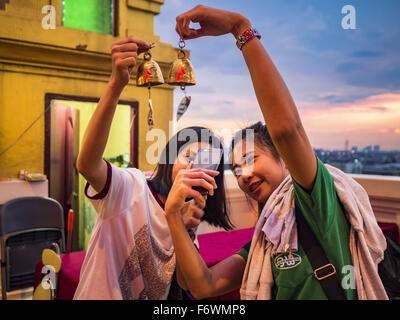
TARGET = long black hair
(215,211)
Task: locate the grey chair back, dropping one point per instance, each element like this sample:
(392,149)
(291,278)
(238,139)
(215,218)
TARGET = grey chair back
(28,225)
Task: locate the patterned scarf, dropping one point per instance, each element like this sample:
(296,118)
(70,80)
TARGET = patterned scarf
(276,231)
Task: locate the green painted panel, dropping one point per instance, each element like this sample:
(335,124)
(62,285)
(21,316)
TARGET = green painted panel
(89,15)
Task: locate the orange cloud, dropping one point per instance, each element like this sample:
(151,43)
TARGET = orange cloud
(370,121)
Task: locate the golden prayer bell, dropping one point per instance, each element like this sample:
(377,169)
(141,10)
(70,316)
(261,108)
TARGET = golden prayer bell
(149,72)
(181,72)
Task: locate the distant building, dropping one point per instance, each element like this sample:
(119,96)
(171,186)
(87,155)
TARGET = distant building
(369,160)
(367,149)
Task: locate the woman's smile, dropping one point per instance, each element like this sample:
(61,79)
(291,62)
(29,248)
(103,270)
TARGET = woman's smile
(254,187)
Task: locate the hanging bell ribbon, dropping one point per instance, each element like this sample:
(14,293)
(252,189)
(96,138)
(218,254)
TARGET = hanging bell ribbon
(183,106)
(150,115)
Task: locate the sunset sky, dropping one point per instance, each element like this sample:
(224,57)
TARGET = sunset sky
(346,83)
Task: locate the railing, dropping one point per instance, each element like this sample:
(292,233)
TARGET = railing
(384,195)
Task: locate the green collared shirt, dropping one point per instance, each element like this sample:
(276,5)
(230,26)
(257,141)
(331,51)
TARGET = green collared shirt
(293,274)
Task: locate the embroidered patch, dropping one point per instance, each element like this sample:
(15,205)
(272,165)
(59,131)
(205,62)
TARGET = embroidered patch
(285,261)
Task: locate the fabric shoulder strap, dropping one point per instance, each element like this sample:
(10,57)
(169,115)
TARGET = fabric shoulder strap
(324,271)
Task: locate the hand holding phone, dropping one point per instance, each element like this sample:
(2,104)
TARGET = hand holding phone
(207,159)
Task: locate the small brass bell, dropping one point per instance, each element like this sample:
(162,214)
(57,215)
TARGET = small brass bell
(181,72)
(149,74)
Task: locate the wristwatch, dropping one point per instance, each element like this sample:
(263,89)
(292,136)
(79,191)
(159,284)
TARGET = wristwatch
(246,36)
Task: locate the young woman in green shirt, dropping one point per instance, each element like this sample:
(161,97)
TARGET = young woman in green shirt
(281,150)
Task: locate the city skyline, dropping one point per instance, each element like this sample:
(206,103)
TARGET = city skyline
(359,148)
(345,83)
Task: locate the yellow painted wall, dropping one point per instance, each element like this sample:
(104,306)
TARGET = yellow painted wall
(22,101)
(34,61)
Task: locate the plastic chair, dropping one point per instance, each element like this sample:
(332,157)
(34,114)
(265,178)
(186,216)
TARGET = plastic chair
(27,226)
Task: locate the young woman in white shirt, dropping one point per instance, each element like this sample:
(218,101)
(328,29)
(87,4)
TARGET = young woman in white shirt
(130,254)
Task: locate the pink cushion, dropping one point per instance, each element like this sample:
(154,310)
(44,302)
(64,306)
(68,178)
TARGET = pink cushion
(214,247)
(218,246)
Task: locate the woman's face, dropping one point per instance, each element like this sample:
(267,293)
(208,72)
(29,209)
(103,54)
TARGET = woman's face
(186,155)
(258,173)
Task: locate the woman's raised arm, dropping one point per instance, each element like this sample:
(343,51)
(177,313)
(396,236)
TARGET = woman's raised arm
(278,108)
(90,159)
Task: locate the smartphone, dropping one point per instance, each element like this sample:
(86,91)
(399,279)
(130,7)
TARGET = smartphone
(207,159)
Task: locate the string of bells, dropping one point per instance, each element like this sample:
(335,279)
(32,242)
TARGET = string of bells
(180,74)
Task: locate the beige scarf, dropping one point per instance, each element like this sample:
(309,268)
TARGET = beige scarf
(276,231)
